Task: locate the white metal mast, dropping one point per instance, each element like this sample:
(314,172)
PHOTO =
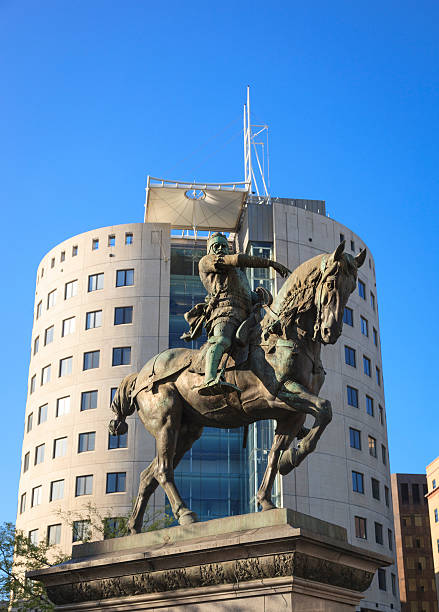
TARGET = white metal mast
(256,138)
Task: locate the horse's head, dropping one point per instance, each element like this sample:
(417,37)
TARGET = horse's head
(338,281)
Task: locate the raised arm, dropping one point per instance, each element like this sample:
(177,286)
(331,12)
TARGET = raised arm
(250,261)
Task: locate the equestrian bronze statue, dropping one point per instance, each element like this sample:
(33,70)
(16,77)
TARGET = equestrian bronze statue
(251,368)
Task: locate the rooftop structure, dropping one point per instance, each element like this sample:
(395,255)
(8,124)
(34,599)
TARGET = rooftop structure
(433,511)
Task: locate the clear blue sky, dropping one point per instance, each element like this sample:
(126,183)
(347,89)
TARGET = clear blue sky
(96,95)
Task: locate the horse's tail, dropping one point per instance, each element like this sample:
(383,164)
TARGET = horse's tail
(123,405)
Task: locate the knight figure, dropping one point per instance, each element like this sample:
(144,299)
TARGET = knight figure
(230,304)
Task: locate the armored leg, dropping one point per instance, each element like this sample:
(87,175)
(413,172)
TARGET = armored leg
(219,342)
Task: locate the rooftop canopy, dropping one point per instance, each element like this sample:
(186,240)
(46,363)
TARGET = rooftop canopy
(200,206)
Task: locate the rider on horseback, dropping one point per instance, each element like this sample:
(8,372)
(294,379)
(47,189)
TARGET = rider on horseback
(229,302)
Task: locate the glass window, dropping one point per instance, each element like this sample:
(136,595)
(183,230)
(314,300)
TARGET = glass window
(95,244)
(433,483)
(381,411)
(384,454)
(116,482)
(415,494)
(91,360)
(357,482)
(393,577)
(39,454)
(68,326)
(348,316)
(48,335)
(59,447)
(112,394)
(74,250)
(112,240)
(96,282)
(387,495)
(349,356)
(89,400)
(22,503)
(33,537)
(404,493)
(118,441)
(378,375)
(42,413)
(93,319)
(63,256)
(372,300)
(81,531)
(37,495)
(366,365)
(114,527)
(379,533)
(341,237)
(361,289)
(369,405)
(382,579)
(355,438)
(36,345)
(53,534)
(352,396)
(33,383)
(62,406)
(375,488)
(128,238)
(65,366)
(122,355)
(360,527)
(26,462)
(436,515)
(375,337)
(84,485)
(52,262)
(123,315)
(352,246)
(124,278)
(30,420)
(390,539)
(39,310)
(372,446)
(86,442)
(364,326)
(56,490)
(71,289)
(51,299)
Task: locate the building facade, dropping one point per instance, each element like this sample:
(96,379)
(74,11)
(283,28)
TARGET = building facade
(108,300)
(433,511)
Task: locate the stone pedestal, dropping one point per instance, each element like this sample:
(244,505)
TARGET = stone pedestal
(272,561)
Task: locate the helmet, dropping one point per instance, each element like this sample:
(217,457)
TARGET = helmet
(216,237)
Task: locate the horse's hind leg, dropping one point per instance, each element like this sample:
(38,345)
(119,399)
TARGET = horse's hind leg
(148,484)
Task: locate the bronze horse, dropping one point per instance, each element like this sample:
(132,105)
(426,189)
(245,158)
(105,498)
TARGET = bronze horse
(280,379)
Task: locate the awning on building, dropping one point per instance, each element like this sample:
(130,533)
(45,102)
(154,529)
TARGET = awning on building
(200,206)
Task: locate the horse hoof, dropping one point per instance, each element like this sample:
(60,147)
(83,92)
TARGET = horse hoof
(187,517)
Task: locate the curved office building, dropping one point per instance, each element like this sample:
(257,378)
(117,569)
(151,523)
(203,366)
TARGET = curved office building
(108,300)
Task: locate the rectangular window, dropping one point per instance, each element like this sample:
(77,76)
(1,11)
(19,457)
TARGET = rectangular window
(123,315)
(33,537)
(387,495)
(404,493)
(26,462)
(74,250)
(48,335)
(42,413)
(375,337)
(357,482)
(348,316)
(372,300)
(22,503)
(415,494)
(39,310)
(393,577)
(112,240)
(118,441)
(96,282)
(349,356)
(390,539)
(124,278)
(352,246)
(52,262)
(56,490)
(364,326)
(360,528)
(30,420)
(381,411)
(81,531)
(59,447)
(33,383)
(382,579)
(369,405)
(352,396)
(62,406)
(51,299)
(122,355)
(436,515)
(68,326)
(112,394)
(53,534)
(86,442)
(372,446)
(65,366)
(114,527)
(37,495)
(433,483)
(84,485)
(128,238)
(95,244)
(366,365)
(93,319)
(91,360)
(375,488)
(39,454)
(71,289)
(378,375)
(36,344)
(379,533)
(116,482)
(361,289)
(355,438)
(89,400)
(384,454)
(63,256)
(341,237)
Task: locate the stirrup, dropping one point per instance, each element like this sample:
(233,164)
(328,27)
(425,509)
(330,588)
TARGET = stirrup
(217,386)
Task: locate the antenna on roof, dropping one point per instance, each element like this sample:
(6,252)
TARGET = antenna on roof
(256,140)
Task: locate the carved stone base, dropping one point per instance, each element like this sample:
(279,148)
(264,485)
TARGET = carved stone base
(278,560)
